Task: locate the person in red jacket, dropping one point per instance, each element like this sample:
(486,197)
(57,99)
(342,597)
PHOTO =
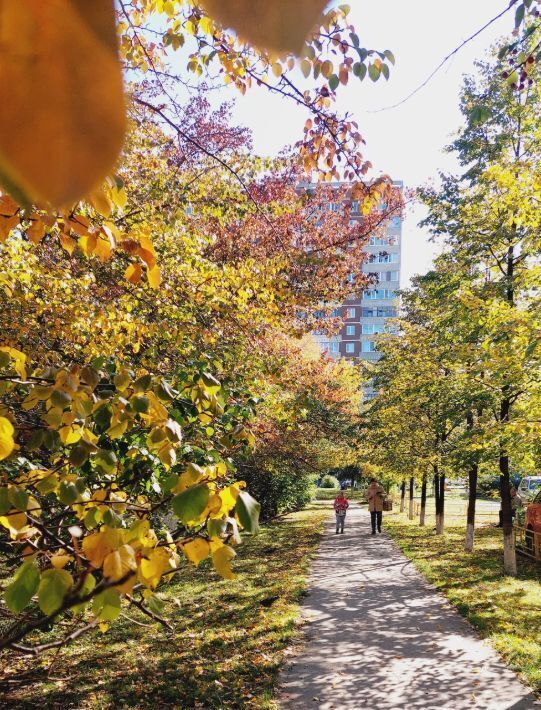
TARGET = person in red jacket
(341,505)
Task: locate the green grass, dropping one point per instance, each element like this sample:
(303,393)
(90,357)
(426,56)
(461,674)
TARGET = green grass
(225,651)
(505,610)
(331,493)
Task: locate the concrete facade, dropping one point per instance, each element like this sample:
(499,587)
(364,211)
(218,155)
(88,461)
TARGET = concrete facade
(367,314)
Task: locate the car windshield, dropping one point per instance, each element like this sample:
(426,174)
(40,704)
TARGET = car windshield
(534,484)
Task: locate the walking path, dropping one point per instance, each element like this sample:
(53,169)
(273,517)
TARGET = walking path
(378,636)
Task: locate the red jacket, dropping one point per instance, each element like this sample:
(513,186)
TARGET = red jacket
(340,504)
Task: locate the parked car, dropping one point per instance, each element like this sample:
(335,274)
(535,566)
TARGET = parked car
(528,487)
(533,525)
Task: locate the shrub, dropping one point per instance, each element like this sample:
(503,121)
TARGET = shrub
(278,491)
(329,481)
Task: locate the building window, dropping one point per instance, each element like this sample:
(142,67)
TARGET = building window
(395,221)
(350,313)
(367,328)
(351,278)
(337,312)
(350,348)
(350,330)
(377,242)
(335,346)
(369,346)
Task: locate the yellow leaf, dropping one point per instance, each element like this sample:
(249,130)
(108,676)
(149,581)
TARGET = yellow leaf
(98,545)
(280,25)
(157,562)
(88,244)
(133,273)
(116,431)
(221,559)
(13,522)
(196,550)
(118,563)
(61,72)
(70,434)
(18,360)
(60,559)
(7,443)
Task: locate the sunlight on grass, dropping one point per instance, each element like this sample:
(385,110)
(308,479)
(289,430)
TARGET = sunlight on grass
(505,610)
(224,652)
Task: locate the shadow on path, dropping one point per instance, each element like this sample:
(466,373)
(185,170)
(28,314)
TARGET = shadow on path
(379,636)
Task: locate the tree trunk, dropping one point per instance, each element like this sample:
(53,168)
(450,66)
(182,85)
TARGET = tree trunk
(423,502)
(472,499)
(402,495)
(509,554)
(440,503)
(410,512)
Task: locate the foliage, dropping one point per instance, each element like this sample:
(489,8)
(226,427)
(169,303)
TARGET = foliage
(80,83)
(209,658)
(150,323)
(460,386)
(328,481)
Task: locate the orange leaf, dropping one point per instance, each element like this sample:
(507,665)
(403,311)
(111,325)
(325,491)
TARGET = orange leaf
(280,25)
(67,242)
(36,231)
(133,273)
(63,127)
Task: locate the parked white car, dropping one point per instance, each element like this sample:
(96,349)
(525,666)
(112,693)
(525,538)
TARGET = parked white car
(528,487)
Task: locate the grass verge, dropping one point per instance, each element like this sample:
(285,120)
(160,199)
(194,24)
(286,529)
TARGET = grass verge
(225,651)
(505,610)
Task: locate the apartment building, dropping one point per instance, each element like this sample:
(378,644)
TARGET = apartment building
(368,313)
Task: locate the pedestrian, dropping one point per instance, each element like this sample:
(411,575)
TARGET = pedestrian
(375,495)
(516,502)
(341,504)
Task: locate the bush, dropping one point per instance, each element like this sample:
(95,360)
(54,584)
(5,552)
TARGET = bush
(278,492)
(329,481)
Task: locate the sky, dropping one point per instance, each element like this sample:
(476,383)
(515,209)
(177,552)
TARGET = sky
(405,142)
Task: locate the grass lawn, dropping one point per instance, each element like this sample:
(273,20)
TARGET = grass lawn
(225,651)
(505,610)
(331,493)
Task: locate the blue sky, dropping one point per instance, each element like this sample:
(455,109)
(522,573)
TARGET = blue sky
(407,141)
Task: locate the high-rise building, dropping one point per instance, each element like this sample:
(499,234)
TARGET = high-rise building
(368,313)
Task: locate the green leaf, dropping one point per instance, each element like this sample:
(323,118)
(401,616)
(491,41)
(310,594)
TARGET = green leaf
(519,15)
(189,504)
(354,39)
(155,604)
(106,605)
(140,404)
(333,82)
(19,593)
(385,71)
(142,383)
(248,509)
(53,587)
(390,56)
(87,587)
(79,455)
(373,72)
(479,115)
(68,493)
(5,503)
(18,497)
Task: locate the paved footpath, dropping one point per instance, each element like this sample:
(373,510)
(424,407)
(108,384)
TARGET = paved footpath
(379,636)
